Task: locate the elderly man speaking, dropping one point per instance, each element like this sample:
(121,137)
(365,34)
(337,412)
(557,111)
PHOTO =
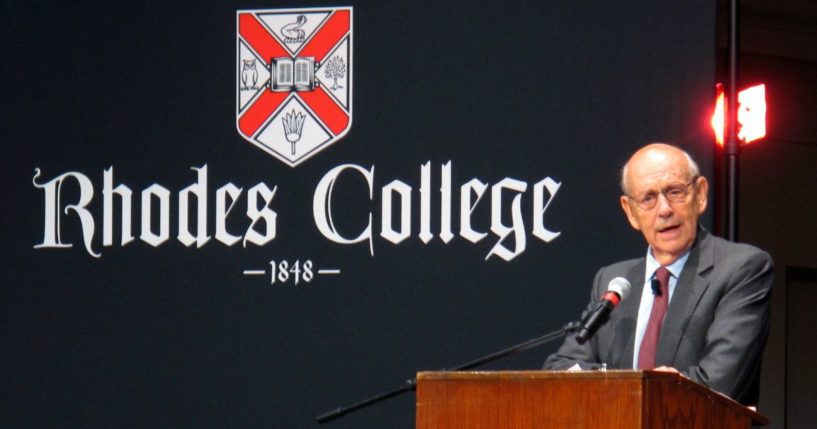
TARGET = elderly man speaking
(699,304)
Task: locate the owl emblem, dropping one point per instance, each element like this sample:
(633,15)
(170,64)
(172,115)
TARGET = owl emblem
(249,75)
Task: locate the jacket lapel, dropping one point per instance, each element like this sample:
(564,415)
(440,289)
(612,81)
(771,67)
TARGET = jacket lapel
(688,292)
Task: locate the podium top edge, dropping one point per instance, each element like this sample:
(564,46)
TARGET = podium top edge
(540,374)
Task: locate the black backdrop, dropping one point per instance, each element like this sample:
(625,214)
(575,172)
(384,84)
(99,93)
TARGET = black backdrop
(179,336)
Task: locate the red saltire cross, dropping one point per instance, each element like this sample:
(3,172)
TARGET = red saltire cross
(333,30)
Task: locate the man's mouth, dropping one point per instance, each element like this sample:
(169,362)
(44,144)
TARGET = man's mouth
(669,229)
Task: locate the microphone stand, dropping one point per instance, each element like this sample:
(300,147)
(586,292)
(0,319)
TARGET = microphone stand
(411,384)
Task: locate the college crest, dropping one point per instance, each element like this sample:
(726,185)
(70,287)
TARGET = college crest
(294,79)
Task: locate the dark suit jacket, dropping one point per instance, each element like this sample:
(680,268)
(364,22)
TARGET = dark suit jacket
(715,328)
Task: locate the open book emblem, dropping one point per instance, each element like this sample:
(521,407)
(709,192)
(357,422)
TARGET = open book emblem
(294,80)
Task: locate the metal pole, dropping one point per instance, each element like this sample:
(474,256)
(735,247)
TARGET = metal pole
(732,145)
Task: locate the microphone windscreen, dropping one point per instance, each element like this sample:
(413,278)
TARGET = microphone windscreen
(619,285)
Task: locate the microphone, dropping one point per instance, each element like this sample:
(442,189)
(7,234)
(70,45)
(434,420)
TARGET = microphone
(656,287)
(617,290)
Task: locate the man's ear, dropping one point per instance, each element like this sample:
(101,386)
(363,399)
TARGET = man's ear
(628,210)
(703,191)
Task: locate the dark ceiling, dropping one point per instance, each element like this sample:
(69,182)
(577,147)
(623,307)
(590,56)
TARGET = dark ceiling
(784,28)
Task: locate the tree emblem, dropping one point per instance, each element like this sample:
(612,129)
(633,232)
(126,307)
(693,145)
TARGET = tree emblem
(335,69)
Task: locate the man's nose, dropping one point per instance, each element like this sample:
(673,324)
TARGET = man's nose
(663,207)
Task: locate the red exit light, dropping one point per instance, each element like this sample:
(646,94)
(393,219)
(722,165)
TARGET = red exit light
(751,114)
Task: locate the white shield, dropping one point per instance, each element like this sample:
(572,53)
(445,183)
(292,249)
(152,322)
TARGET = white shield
(294,79)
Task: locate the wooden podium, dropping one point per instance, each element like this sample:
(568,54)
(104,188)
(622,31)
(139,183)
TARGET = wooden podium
(573,400)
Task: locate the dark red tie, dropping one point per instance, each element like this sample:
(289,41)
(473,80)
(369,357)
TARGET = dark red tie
(646,354)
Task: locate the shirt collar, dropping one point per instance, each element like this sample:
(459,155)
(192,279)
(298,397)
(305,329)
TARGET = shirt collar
(674,268)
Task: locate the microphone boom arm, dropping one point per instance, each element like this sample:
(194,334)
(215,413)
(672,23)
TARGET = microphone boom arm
(411,384)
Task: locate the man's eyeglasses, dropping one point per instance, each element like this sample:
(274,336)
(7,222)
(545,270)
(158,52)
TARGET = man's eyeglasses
(675,194)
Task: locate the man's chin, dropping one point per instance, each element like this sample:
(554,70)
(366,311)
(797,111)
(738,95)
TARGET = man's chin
(666,252)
